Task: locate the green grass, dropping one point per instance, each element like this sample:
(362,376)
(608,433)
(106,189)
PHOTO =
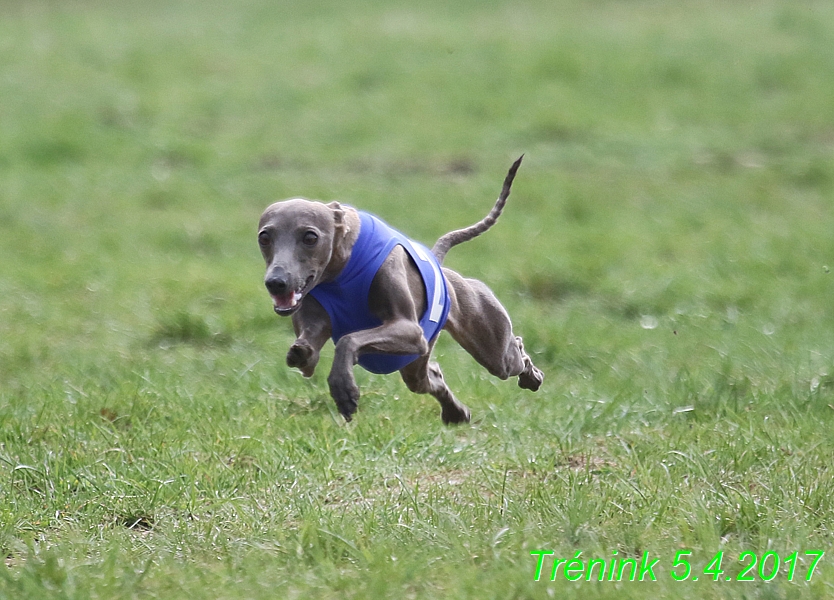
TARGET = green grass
(666,254)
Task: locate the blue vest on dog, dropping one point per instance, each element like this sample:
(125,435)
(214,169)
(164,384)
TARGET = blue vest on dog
(346,298)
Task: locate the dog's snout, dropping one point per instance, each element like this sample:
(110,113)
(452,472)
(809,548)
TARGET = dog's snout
(278,284)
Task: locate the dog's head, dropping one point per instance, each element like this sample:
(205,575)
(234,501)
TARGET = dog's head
(302,244)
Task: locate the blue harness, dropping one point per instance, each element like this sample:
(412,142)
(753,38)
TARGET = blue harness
(346,298)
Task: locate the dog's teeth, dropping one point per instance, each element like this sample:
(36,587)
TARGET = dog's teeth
(287,302)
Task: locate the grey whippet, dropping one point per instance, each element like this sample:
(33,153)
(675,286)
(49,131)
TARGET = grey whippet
(308,244)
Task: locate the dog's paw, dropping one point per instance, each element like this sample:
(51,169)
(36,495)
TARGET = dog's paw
(345,392)
(454,415)
(531,379)
(303,357)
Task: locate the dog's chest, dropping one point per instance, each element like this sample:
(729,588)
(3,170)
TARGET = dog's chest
(346,298)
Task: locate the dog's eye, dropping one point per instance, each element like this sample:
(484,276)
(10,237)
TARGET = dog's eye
(263,238)
(310,238)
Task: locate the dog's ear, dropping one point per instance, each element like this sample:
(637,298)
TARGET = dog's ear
(339,217)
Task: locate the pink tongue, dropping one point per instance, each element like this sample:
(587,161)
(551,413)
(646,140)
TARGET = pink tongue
(286,302)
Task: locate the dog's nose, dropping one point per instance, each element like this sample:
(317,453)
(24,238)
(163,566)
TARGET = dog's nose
(277,284)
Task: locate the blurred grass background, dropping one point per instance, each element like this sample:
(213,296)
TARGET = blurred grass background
(666,254)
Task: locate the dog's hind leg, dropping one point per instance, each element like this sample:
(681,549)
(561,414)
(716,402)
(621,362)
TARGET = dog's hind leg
(479,323)
(424,377)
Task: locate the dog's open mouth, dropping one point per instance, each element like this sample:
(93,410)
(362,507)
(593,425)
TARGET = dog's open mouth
(287,304)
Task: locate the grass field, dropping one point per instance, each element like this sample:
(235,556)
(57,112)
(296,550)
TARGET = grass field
(666,254)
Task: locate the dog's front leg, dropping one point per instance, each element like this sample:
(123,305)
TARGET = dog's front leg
(400,336)
(312,330)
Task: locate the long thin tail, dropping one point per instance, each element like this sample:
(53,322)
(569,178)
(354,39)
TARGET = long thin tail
(453,238)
